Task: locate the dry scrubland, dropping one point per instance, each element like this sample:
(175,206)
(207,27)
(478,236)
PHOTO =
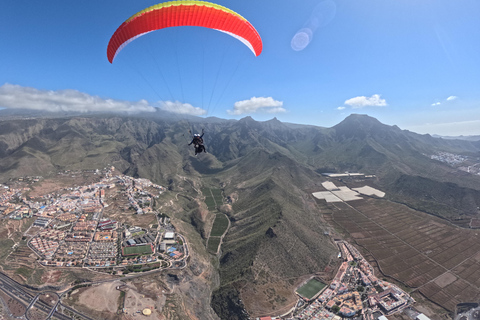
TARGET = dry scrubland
(106,302)
(433,257)
(61,181)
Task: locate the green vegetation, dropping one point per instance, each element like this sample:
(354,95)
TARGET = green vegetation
(36,277)
(227,304)
(139,233)
(25,272)
(121,301)
(141,267)
(213,243)
(5,247)
(311,288)
(213,198)
(254,215)
(220,225)
(137,250)
(210,203)
(217,196)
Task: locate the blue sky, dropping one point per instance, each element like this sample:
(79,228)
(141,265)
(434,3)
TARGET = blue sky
(412,63)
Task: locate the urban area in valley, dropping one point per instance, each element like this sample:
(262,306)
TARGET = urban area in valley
(77,227)
(70,229)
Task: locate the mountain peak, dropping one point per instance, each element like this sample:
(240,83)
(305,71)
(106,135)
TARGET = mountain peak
(362,119)
(247,119)
(274,124)
(273,120)
(360,126)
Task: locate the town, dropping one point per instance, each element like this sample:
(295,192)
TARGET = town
(354,293)
(468,164)
(70,229)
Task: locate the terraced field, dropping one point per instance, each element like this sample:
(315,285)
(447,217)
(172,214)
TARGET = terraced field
(436,258)
(213,198)
(213,243)
(220,225)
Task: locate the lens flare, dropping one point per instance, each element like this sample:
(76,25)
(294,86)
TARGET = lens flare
(301,39)
(321,15)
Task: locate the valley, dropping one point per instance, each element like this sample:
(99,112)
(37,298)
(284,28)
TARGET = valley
(247,231)
(73,228)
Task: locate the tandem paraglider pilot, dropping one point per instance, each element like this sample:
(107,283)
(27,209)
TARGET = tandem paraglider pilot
(197,141)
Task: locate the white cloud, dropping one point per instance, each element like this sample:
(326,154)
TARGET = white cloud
(275,110)
(257,104)
(18,97)
(451,98)
(181,108)
(362,101)
(341,108)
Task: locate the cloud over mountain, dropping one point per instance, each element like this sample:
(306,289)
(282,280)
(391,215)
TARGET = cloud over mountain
(257,104)
(362,101)
(181,108)
(18,97)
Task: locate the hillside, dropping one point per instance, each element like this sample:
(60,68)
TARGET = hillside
(268,170)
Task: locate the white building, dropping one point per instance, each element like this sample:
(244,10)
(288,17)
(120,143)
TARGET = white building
(169,235)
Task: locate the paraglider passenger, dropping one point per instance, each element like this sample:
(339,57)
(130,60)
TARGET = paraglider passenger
(197,142)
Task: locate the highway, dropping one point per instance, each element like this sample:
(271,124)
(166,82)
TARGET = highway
(29,299)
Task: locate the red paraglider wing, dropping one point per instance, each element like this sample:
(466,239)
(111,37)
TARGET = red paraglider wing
(184,13)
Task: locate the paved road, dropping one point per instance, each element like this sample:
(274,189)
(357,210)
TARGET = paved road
(29,296)
(26,296)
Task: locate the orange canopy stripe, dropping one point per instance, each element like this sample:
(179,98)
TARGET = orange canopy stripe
(184,13)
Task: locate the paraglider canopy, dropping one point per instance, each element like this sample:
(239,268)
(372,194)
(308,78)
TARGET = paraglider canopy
(184,13)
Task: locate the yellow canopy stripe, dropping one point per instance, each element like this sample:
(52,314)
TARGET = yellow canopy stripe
(184,3)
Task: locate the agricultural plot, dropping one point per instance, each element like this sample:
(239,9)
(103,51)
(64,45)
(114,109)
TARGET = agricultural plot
(213,198)
(217,196)
(311,288)
(220,225)
(213,243)
(416,248)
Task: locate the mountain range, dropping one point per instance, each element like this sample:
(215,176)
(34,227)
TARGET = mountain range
(267,170)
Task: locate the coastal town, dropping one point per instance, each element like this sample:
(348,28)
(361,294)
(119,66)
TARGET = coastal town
(73,229)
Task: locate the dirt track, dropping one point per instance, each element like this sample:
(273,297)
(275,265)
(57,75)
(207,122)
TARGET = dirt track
(101,298)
